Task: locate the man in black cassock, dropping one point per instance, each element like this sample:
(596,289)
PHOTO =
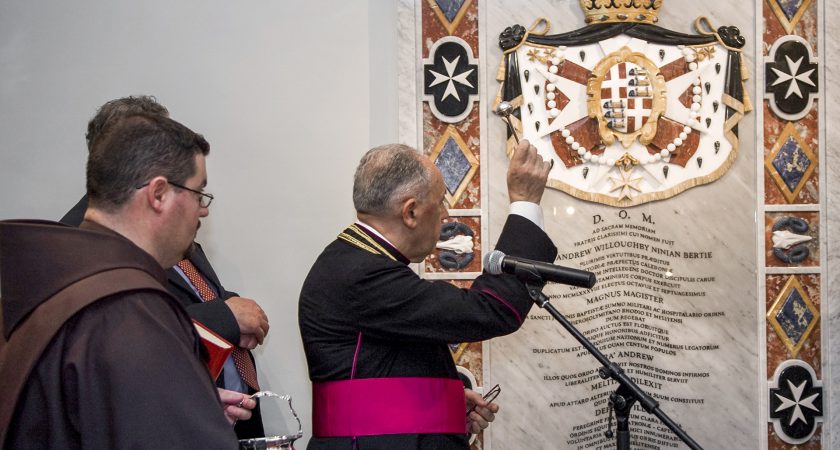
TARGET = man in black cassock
(124,371)
(375,334)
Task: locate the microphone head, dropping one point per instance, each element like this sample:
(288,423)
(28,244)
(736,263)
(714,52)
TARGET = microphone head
(493,262)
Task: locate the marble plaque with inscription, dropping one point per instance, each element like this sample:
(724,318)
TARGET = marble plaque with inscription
(674,304)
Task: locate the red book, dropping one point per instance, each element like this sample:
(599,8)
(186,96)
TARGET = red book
(218,349)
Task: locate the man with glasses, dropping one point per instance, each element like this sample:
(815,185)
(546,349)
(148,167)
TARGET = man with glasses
(193,281)
(101,354)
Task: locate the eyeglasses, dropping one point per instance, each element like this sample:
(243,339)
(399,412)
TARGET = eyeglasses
(204,198)
(489,396)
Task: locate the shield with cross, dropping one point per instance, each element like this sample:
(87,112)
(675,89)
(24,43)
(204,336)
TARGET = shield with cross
(633,111)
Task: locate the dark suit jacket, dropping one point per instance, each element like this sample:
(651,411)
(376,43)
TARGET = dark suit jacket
(218,317)
(215,314)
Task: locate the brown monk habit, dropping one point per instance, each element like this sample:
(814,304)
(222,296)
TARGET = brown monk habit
(124,371)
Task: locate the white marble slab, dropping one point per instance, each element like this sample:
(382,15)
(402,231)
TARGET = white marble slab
(407,27)
(719,217)
(830,58)
(736,419)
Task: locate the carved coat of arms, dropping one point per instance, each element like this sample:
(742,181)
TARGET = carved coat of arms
(634,112)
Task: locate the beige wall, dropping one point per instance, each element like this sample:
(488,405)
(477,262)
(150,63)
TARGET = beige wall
(289,95)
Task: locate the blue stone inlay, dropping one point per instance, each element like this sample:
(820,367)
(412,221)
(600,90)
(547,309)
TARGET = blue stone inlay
(789,7)
(794,316)
(450,8)
(453,165)
(791,162)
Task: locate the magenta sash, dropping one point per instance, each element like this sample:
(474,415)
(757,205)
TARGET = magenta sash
(376,406)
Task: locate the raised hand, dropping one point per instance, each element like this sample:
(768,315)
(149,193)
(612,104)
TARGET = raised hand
(527,174)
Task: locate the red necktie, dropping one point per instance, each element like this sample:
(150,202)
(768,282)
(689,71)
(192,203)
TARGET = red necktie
(241,358)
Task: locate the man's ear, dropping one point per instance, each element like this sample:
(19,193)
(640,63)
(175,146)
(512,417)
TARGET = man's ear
(157,193)
(408,212)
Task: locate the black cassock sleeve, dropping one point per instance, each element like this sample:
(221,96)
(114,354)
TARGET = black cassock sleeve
(393,302)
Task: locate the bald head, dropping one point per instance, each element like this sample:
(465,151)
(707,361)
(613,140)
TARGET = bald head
(386,176)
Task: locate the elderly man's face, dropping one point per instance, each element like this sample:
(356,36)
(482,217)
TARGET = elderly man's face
(431,212)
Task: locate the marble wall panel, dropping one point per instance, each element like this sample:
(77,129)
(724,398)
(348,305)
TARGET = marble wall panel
(818,187)
(777,351)
(455,148)
(470,356)
(831,24)
(471,359)
(552,378)
(812,220)
(433,263)
(800,18)
(806,25)
(774,442)
(434,28)
(806,133)
(469,130)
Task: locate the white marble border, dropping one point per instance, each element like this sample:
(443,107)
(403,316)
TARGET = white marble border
(761,263)
(484,103)
(407,73)
(829,50)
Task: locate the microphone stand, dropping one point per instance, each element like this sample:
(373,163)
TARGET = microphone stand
(628,392)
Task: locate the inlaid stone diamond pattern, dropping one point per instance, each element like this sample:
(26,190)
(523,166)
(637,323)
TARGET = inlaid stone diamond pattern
(450,8)
(453,165)
(791,163)
(788,7)
(450,13)
(793,316)
(456,163)
(789,12)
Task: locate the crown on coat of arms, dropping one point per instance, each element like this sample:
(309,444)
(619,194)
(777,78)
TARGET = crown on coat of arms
(629,11)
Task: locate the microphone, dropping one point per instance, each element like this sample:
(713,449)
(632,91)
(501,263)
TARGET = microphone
(497,262)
